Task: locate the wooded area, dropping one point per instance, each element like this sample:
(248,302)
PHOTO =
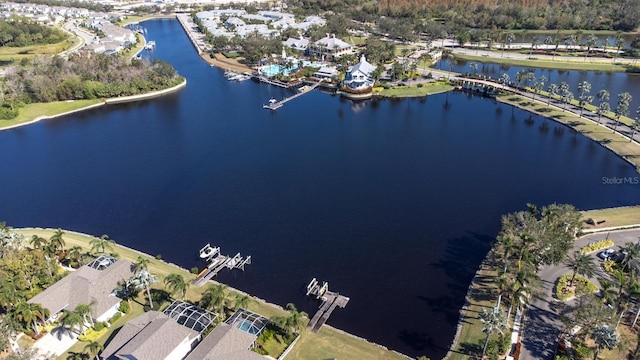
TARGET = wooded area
(21,32)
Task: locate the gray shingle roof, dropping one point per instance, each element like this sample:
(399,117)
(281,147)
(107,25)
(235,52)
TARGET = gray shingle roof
(150,336)
(85,286)
(225,342)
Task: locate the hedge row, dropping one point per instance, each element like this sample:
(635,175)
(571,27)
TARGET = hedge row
(589,248)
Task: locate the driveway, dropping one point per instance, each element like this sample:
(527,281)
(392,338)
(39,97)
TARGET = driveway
(56,342)
(542,324)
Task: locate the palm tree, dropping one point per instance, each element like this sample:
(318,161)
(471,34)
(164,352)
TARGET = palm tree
(504,79)
(93,348)
(622,109)
(176,283)
(604,336)
(102,243)
(57,240)
(603,103)
(567,96)
(84,310)
(548,41)
(74,253)
(72,320)
(295,319)
(493,321)
(584,87)
(37,242)
(619,41)
(142,263)
(632,254)
(474,67)
(509,39)
(553,90)
(580,264)
(636,124)
(127,290)
(241,301)
(27,315)
(534,45)
(143,280)
(213,297)
(592,40)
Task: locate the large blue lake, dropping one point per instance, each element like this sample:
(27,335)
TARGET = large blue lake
(395,203)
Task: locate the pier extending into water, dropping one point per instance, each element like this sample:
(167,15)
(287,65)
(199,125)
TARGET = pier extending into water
(217,262)
(273,104)
(330,300)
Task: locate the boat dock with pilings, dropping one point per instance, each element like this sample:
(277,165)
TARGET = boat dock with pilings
(274,104)
(330,300)
(217,262)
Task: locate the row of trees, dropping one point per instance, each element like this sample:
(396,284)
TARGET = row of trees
(603,107)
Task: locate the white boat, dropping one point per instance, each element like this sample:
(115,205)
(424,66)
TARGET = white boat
(208,251)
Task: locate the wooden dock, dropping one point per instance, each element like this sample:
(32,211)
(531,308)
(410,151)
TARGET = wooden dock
(217,262)
(273,105)
(330,300)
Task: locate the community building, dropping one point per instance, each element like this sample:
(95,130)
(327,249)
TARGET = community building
(359,81)
(330,48)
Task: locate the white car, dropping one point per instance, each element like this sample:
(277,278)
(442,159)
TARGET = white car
(605,255)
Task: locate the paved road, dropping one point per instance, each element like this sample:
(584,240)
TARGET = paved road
(542,324)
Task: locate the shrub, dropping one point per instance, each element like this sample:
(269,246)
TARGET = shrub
(583,352)
(610,266)
(420,85)
(115,317)
(582,285)
(99,325)
(124,307)
(158,257)
(597,246)
(92,335)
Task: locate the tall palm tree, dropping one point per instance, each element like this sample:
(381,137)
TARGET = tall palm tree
(74,253)
(619,41)
(142,263)
(553,90)
(509,39)
(84,310)
(632,254)
(176,283)
(37,242)
(241,301)
(580,264)
(604,336)
(504,79)
(213,297)
(636,124)
(57,240)
(72,320)
(567,96)
(295,319)
(143,280)
(493,321)
(607,290)
(603,103)
(622,109)
(592,40)
(101,243)
(584,87)
(93,348)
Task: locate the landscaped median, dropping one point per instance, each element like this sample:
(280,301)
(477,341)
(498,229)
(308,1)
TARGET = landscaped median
(32,113)
(328,343)
(417,90)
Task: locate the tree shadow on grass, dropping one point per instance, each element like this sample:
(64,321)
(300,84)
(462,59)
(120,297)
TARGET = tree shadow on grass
(473,350)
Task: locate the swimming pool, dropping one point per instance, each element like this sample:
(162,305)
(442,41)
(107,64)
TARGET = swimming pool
(274,69)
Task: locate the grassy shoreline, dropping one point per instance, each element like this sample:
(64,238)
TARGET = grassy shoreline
(328,343)
(558,64)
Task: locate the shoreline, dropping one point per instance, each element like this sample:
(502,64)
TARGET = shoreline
(277,307)
(109,101)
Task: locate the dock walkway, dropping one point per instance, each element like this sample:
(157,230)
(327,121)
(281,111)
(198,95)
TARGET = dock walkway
(278,104)
(217,262)
(330,300)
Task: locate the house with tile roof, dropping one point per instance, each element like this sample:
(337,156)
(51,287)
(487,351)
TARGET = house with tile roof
(94,284)
(151,336)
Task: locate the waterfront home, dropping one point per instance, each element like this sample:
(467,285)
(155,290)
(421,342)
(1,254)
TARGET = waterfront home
(234,22)
(308,22)
(330,48)
(153,336)
(94,284)
(358,82)
(326,72)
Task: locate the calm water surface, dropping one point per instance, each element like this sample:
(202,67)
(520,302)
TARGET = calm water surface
(394,203)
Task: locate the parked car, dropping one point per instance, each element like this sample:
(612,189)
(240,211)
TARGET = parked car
(606,254)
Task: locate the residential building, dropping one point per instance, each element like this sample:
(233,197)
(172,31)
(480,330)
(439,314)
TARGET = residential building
(330,48)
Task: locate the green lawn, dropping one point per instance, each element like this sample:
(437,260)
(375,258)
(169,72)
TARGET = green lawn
(8,53)
(619,216)
(578,64)
(328,341)
(414,91)
(31,111)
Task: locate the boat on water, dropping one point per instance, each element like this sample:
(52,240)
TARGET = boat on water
(234,76)
(208,251)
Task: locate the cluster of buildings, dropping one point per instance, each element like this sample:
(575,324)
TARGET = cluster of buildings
(50,15)
(114,38)
(176,333)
